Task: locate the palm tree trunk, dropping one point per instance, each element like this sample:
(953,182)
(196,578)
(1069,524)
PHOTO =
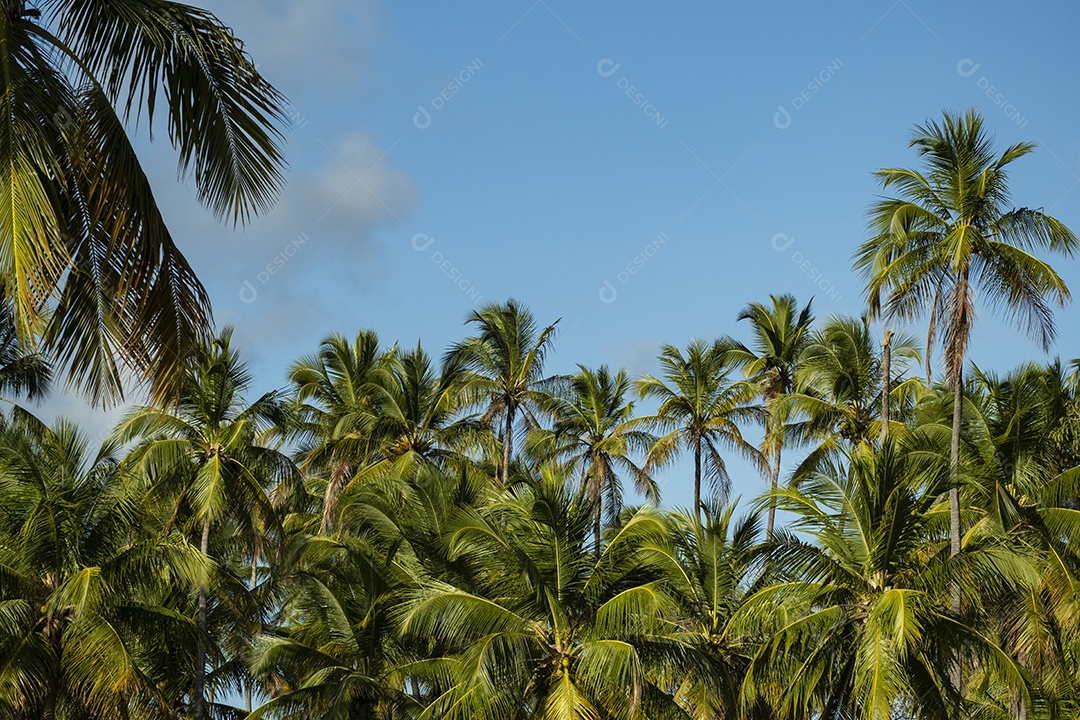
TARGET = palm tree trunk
(774,482)
(954,465)
(254,582)
(598,492)
(199,690)
(956,672)
(507,444)
(886,378)
(697,479)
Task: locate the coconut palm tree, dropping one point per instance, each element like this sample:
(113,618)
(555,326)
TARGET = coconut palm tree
(715,567)
(1016,492)
(700,408)
(950,236)
(421,427)
(861,625)
(779,335)
(506,358)
(88,627)
(596,434)
(204,459)
(82,239)
(338,656)
(542,627)
(838,386)
(339,393)
(23,369)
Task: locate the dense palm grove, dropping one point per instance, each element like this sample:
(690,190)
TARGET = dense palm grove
(396,534)
(363,544)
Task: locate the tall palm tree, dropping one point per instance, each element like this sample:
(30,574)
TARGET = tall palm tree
(700,408)
(595,433)
(88,627)
(339,392)
(541,627)
(838,386)
(779,335)
(950,236)
(507,360)
(861,626)
(81,236)
(206,460)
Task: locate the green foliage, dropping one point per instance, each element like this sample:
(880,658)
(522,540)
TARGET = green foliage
(367,543)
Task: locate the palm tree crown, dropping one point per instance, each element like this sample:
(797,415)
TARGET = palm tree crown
(82,239)
(699,410)
(507,360)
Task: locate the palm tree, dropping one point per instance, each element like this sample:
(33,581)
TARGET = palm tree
(699,411)
(838,386)
(205,460)
(420,425)
(715,568)
(507,360)
(595,433)
(81,236)
(339,393)
(23,369)
(861,626)
(950,236)
(337,657)
(87,623)
(1017,493)
(779,335)
(537,625)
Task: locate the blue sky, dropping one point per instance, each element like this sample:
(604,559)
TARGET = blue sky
(641,170)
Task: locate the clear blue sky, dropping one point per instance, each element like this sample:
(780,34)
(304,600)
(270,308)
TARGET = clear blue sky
(444,155)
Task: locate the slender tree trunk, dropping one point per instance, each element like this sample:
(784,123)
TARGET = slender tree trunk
(1017,703)
(886,379)
(199,690)
(1017,706)
(507,444)
(954,460)
(600,479)
(697,479)
(954,505)
(774,482)
(254,583)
